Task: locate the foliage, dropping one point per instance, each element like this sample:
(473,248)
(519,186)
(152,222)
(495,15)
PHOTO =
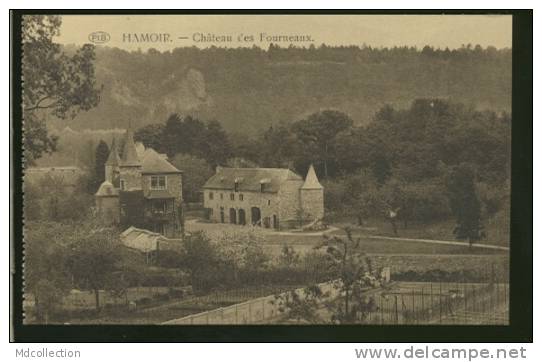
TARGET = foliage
(288,257)
(196,171)
(250,89)
(206,141)
(318,134)
(55,83)
(54,198)
(301,306)
(101,155)
(94,261)
(355,273)
(465,203)
(199,259)
(364,199)
(44,274)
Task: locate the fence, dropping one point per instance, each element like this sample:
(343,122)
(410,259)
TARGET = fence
(253,311)
(441,303)
(405,303)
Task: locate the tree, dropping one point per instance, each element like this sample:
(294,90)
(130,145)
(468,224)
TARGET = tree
(465,204)
(172,135)
(355,272)
(215,147)
(45,274)
(278,146)
(55,83)
(94,261)
(242,254)
(288,257)
(301,306)
(364,196)
(318,134)
(199,259)
(196,171)
(53,197)
(151,136)
(101,155)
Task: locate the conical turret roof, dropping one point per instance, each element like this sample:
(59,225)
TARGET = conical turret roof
(107,189)
(129,152)
(113,159)
(311,181)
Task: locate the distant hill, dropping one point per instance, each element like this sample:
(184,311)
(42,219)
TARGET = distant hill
(249,89)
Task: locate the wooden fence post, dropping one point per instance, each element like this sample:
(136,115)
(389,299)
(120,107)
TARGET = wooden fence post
(396,311)
(440,303)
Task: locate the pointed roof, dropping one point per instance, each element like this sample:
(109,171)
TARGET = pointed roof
(129,152)
(107,189)
(311,181)
(113,159)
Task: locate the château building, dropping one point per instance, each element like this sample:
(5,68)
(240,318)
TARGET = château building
(141,189)
(271,197)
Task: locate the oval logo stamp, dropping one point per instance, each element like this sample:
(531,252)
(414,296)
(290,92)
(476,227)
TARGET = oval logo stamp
(99,37)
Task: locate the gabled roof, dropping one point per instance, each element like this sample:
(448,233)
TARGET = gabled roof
(311,181)
(129,153)
(145,240)
(154,162)
(250,179)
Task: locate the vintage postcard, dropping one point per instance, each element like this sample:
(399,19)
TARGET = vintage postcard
(288,169)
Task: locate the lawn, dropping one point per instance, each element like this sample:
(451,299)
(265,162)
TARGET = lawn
(303,243)
(497,234)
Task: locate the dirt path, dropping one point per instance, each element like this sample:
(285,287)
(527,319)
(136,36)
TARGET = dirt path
(441,242)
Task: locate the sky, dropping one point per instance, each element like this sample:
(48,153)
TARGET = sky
(172,31)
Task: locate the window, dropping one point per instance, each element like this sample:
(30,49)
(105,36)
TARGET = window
(221,196)
(241,197)
(236,188)
(122,185)
(268,202)
(160,206)
(158,182)
(232,197)
(211,195)
(262,187)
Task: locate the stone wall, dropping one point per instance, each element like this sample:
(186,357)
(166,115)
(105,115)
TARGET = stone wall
(312,202)
(289,203)
(131,176)
(111,172)
(174,184)
(107,208)
(267,202)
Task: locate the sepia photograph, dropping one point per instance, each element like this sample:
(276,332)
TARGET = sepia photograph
(266,169)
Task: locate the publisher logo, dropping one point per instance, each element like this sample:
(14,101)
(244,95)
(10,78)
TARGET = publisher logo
(99,37)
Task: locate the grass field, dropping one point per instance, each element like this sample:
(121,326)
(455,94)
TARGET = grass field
(496,230)
(303,243)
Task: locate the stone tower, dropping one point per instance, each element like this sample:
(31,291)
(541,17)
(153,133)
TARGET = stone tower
(107,204)
(130,165)
(112,164)
(312,196)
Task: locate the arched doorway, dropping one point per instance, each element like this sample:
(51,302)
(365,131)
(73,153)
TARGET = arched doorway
(242,217)
(222,215)
(233,216)
(255,216)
